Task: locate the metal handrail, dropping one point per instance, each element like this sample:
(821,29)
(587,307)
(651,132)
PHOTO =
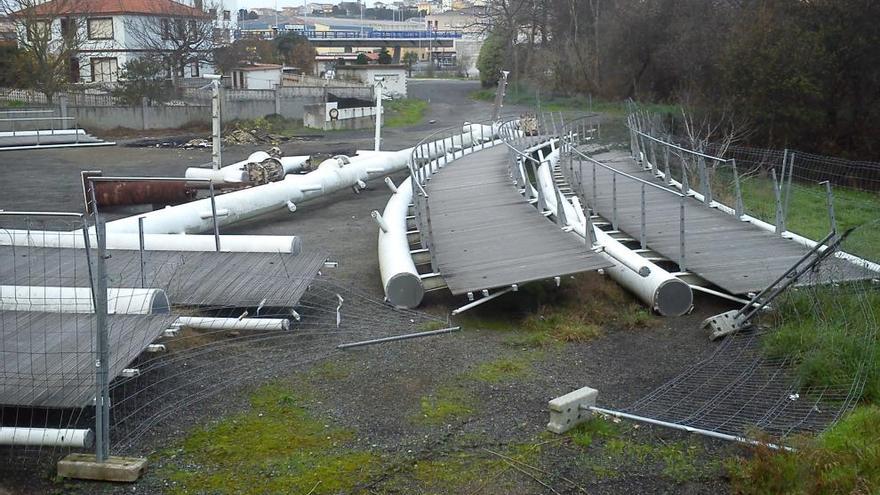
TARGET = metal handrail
(677,147)
(628,176)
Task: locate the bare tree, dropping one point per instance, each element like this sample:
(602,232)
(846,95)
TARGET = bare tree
(50,35)
(178,37)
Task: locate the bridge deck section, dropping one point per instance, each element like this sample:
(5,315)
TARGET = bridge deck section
(189,278)
(486,235)
(735,255)
(48,359)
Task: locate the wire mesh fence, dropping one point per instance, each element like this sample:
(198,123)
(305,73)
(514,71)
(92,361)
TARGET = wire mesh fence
(182,328)
(809,360)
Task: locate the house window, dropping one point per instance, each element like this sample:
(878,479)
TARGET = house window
(74,70)
(40,30)
(166,29)
(194,71)
(68,27)
(104,69)
(193,28)
(226,15)
(213,13)
(100,29)
(180,70)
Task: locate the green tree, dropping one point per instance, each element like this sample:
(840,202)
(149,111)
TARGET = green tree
(143,78)
(362,59)
(491,59)
(410,59)
(296,51)
(384,57)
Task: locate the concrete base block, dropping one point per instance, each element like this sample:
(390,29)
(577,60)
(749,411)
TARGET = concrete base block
(566,412)
(85,467)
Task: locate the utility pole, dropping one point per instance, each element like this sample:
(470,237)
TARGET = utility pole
(216,152)
(378,89)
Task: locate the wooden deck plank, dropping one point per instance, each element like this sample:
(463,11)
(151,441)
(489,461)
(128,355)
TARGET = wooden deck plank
(486,235)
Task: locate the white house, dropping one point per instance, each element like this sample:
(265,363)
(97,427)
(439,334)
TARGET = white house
(112,32)
(256,76)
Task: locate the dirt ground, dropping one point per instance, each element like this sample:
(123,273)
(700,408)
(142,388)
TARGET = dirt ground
(375,392)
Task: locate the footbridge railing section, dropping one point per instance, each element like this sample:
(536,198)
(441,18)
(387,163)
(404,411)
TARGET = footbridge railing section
(576,163)
(767,188)
(434,152)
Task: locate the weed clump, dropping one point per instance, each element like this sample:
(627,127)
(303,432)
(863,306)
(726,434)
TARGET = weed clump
(843,460)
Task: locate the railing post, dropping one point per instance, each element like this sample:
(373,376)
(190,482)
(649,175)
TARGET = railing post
(738,206)
(685,185)
(780,221)
(668,178)
(214,215)
(829,200)
(593,206)
(788,186)
(681,234)
(704,179)
(141,249)
(614,199)
(642,232)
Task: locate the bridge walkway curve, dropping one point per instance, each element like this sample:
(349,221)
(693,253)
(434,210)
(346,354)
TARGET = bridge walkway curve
(486,235)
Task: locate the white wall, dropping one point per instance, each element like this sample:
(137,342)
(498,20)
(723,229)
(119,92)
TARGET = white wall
(394,78)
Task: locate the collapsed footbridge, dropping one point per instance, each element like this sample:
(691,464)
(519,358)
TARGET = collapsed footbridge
(538,204)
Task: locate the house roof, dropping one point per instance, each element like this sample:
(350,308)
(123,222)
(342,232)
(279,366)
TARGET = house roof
(107,7)
(250,67)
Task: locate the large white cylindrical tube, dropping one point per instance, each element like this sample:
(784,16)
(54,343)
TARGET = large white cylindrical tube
(46,437)
(403,287)
(664,293)
(258,324)
(155,242)
(332,175)
(122,301)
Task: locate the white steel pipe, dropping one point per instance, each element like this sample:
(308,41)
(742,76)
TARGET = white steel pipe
(237,172)
(402,284)
(46,437)
(331,175)
(664,293)
(208,323)
(122,301)
(155,242)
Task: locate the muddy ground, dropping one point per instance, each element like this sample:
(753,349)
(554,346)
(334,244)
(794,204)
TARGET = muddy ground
(379,394)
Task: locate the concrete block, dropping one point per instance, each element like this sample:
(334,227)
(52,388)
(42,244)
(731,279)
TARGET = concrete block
(566,412)
(85,467)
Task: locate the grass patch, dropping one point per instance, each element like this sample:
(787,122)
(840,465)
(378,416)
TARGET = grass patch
(404,112)
(276,447)
(808,214)
(613,447)
(829,333)
(445,404)
(501,369)
(466,472)
(843,460)
(597,427)
(522,95)
(581,309)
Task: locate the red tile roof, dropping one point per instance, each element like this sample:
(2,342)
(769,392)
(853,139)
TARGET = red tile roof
(106,7)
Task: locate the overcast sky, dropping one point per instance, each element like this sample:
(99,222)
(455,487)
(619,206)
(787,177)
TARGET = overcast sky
(251,4)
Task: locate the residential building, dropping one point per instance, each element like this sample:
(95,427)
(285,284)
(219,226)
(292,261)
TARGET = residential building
(257,76)
(112,32)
